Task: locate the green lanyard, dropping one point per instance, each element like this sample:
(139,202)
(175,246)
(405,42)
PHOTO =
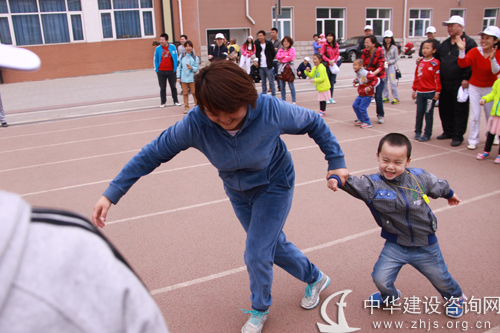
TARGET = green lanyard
(422,194)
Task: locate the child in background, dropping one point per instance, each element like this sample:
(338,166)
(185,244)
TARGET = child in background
(426,90)
(398,199)
(493,126)
(247,51)
(322,39)
(254,71)
(188,65)
(366,83)
(321,82)
(302,67)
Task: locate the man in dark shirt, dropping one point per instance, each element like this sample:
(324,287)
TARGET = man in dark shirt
(302,67)
(218,51)
(454,115)
(264,51)
(277,45)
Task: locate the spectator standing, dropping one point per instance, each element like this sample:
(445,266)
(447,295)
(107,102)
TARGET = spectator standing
(482,78)
(316,45)
(219,50)
(330,52)
(286,56)
(188,65)
(391,55)
(374,62)
(454,115)
(254,71)
(302,68)
(368,32)
(277,45)
(180,49)
(264,50)
(431,37)
(2,114)
(247,51)
(165,61)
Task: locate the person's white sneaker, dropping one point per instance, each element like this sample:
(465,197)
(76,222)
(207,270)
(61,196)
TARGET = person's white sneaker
(311,295)
(256,321)
(495,140)
(471,146)
(177,104)
(162,106)
(332,101)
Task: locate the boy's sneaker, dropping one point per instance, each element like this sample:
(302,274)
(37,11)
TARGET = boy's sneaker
(380,120)
(373,100)
(482,156)
(385,100)
(357,122)
(376,300)
(321,113)
(365,125)
(471,146)
(417,137)
(311,295)
(5,125)
(454,307)
(177,104)
(395,101)
(256,321)
(424,138)
(162,105)
(497,160)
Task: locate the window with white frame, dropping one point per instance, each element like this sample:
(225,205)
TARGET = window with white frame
(420,20)
(330,20)
(490,18)
(379,19)
(284,22)
(126,18)
(459,12)
(34,22)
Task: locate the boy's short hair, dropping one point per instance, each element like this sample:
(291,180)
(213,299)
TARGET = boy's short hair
(275,29)
(430,42)
(396,140)
(184,36)
(261,32)
(359,61)
(232,41)
(164,35)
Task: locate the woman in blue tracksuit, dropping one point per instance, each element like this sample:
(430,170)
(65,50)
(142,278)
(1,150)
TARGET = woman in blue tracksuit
(239,132)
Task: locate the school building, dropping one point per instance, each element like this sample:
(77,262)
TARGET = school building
(84,37)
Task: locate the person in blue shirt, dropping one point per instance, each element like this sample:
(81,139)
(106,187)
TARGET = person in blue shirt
(239,132)
(302,68)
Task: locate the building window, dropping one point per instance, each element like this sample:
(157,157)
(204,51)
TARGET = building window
(379,19)
(459,12)
(32,22)
(420,20)
(490,18)
(126,18)
(330,20)
(284,22)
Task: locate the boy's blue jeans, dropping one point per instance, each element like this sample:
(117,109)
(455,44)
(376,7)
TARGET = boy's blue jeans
(262,212)
(425,107)
(428,260)
(360,107)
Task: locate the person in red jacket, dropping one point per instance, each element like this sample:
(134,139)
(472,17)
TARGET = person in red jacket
(426,90)
(374,62)
(366,83)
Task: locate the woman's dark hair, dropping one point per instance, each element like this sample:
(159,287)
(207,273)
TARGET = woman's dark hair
(188,42)
(288,39)
(333,44)
(224,86)
(319,56)
(374,40)
(396,140)
(246,43)
(391,43)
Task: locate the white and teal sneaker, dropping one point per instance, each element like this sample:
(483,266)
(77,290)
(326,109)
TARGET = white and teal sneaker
(311,294)
(256,321)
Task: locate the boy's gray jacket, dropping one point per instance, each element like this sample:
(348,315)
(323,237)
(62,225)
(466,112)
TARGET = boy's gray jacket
(55,276)
(397,205)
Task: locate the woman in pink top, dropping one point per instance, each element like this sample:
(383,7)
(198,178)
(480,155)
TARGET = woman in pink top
(330,52)
(286,55)
(247,51)
(482,61)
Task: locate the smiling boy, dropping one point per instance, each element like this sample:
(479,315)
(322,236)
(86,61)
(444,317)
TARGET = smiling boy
(398,199)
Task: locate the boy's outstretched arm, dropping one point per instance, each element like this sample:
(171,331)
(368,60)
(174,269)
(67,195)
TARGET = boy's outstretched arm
(454,200)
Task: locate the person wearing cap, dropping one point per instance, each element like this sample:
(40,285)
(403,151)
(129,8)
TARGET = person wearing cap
(264,51)
(247,51)
(391,54)
(368,31)
(483,62)
(165,61)
(454,114)
(219,50)
(254,71)
(302,67)
(431,37)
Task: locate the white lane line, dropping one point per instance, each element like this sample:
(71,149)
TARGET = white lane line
(310,249)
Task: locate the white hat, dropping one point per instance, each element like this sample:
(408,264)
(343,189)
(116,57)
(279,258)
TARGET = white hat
(491,31)
(430,30)
(306,58)
(18,58)
(368,27)
(455,19)
(388,33)
(219,35)
(255,59)
(251,37)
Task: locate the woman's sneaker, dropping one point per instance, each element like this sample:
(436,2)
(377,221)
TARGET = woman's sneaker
(380,120)
(482,156)
(357,122)
(321,113)
(256,321)
(395,101)
(497,160)
(365,125)
(454,307)
(385,100)
(311,295)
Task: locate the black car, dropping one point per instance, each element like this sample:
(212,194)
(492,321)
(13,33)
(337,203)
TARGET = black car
(349,49)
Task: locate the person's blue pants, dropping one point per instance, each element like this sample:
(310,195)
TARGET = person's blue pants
(360,107)
(428,260)
(425,108)
(267,74)
(262,212)
(378,98)
(291,85)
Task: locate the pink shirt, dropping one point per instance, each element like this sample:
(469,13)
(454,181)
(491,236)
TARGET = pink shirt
(247,53)
(329,53)
(286,56)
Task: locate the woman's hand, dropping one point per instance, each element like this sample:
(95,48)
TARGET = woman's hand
(101,211)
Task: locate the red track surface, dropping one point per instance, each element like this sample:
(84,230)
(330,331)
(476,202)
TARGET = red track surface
(177,229)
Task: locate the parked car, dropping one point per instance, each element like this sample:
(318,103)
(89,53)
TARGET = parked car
(349,49)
